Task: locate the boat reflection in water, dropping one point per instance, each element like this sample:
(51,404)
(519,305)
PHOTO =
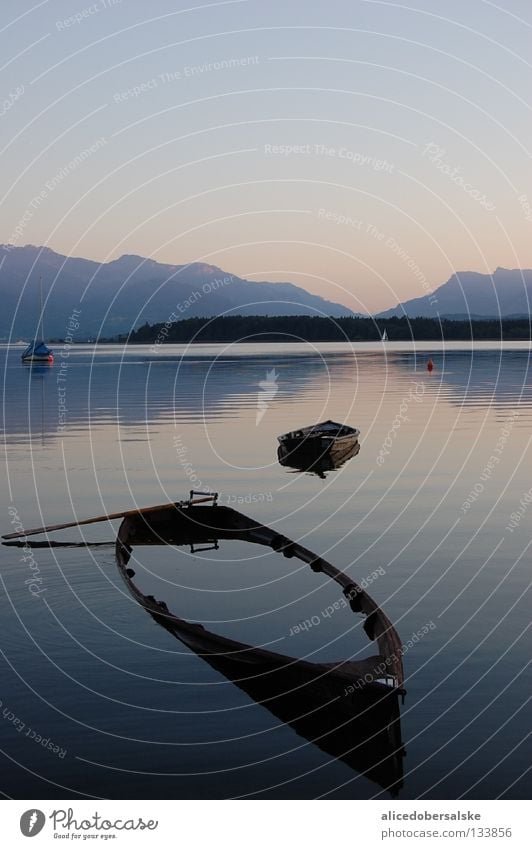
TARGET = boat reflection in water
(316,461)
(349,709)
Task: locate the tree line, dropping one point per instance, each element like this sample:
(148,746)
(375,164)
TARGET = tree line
(294,328)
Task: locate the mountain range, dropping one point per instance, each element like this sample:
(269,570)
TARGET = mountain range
(115,297)
(468,295)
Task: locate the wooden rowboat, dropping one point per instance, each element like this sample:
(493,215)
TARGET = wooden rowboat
(188,523)
(302,459)
(349,709)
(324,436)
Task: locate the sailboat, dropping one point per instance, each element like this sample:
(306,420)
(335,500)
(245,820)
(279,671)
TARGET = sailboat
(37,351)
(384,336)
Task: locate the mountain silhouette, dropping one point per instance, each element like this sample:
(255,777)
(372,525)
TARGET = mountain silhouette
(117,296)
(467,294)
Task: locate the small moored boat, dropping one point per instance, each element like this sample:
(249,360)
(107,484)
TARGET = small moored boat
(317,463)
(321,437)
(37,351)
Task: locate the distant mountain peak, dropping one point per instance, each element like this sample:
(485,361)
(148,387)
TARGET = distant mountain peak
(194,267)
(129,260)
(505,292)
(501,270)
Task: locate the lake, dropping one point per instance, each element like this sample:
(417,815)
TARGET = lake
(99,701)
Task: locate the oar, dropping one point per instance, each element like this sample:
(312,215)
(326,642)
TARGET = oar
(55,544)
(107,518)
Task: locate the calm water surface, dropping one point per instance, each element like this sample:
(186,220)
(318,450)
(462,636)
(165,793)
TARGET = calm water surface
(444,465)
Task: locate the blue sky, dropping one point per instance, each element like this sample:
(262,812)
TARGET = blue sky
(364,150)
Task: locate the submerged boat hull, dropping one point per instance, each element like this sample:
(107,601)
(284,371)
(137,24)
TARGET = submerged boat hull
(345,708)
(187,524)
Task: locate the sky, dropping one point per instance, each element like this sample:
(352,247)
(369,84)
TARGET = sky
(363,149)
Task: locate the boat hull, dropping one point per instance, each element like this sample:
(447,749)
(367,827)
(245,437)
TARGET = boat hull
(321,444)
(347,708)
(315,458)
(37,352)
(320,438)
(38,359)
(182,524)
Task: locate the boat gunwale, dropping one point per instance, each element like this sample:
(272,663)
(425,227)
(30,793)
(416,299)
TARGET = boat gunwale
(311,432)
(240,526)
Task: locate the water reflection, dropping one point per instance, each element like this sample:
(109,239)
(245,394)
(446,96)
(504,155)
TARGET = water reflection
(473,378)
(138,389)
(134,388)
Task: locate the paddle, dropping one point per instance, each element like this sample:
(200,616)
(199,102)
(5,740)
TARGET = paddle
(106,518)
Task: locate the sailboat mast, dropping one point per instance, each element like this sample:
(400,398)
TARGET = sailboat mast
(37,351)
(40,325)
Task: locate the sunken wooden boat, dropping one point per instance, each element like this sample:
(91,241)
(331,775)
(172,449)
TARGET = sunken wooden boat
(304,459)
(349,709)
